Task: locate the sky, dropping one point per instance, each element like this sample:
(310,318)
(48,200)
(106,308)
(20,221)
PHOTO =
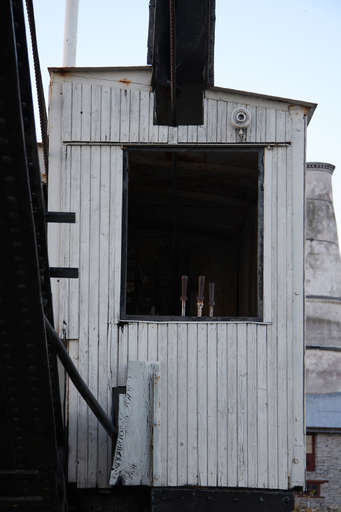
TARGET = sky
(290,49)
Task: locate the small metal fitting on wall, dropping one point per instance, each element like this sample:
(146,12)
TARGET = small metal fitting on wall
(240,120)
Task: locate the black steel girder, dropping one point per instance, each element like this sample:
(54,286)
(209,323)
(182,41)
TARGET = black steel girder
(31,430)
(181,50)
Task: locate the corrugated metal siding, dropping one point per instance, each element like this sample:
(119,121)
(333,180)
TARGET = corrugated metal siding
(231,393)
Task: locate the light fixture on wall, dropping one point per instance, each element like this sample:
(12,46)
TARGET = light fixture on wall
(240,120)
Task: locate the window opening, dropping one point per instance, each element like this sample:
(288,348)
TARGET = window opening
(313,488)
(310,452)
(192,231)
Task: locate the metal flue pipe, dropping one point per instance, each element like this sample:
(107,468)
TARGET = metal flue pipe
(70,33)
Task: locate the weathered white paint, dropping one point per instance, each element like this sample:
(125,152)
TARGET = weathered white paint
(231,394)
(133,459)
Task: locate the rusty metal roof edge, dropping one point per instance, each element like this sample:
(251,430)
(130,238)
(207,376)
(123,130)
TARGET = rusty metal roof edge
(99,68)
(311,106)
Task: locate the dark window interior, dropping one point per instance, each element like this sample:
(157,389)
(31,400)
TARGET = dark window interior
(310,452)
(191,212)
(313,488)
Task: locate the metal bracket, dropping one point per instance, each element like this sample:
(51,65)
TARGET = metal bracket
(61,217)
(64,272)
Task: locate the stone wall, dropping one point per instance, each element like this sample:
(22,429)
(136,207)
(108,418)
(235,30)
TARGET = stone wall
(328,467)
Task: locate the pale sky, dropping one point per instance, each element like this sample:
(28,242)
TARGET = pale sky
(290,49)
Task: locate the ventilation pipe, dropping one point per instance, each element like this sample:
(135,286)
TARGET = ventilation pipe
(70,33)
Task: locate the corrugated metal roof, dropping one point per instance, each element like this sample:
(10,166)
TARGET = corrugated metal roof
(323,411)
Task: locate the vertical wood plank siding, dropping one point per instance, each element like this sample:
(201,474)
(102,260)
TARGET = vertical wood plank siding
(126,115)
(231,393)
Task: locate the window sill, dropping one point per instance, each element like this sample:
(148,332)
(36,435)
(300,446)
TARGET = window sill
(190,320)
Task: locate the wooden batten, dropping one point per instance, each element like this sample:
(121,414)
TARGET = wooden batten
(231,393)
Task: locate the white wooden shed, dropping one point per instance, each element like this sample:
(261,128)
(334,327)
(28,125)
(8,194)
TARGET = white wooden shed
(231,387)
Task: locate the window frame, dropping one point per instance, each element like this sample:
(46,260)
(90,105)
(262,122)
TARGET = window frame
(318,483)
(260,150)
(311,457)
